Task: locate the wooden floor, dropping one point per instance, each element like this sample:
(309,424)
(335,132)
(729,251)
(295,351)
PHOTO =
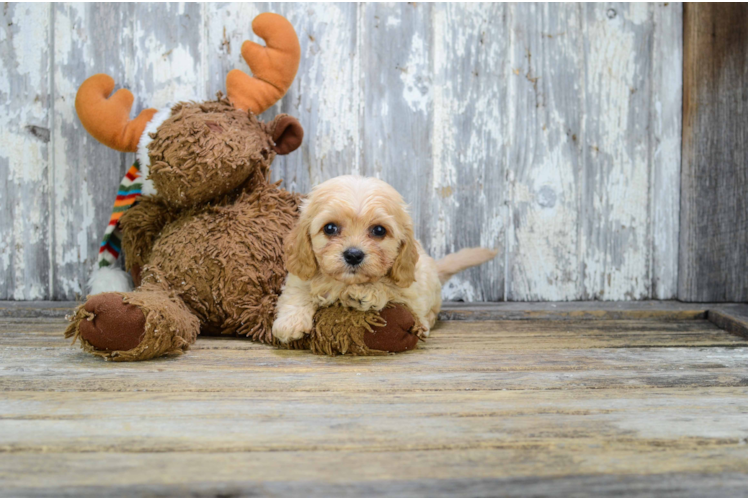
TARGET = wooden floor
(596,400)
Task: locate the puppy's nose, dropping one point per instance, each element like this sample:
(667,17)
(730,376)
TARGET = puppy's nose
(354,256)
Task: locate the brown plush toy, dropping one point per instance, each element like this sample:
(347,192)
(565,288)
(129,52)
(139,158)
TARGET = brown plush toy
(204,243)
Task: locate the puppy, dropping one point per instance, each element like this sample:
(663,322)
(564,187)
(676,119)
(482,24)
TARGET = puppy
(354,243)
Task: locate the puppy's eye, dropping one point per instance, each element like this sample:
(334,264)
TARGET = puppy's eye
(378,231)
(330,229)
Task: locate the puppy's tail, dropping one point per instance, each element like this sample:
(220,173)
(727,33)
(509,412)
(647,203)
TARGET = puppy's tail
(459,261)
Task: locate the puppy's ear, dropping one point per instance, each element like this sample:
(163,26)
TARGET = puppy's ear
(403,271)
(297,246)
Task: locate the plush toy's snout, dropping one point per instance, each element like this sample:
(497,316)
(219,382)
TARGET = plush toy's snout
(204,151)
(207,150)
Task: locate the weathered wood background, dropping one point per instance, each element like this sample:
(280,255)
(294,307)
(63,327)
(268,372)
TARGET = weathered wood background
(714,219)
(551,132)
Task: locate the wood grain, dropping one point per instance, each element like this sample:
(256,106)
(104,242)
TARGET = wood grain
(86,174)
(714,210)
(419,473)
(616,149)
(468,95)
(487,355)
(732,318)
(26,171)
(666,109)
(549,132)
(168,57)
(230,423)
(627,407)
(653,309)
(543,253)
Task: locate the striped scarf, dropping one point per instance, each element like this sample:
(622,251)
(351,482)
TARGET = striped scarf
(127,195)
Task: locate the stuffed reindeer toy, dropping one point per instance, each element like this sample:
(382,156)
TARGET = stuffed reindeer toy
(203,230)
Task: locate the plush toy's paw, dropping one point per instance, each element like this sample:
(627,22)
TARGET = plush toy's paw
(344,330)
(134,326)
(113,325)
(293,326)
(397,335)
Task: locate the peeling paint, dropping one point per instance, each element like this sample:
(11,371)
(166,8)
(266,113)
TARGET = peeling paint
(24,155)
(667,91)
(168,56)
(334,107)
(459,289)
(617,232)
(550,132)
(415,76)
(443,145)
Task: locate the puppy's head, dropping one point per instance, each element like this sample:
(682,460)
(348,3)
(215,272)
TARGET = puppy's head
(354,230)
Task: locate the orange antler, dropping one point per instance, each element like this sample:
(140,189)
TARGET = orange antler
(106,118)
(274,66)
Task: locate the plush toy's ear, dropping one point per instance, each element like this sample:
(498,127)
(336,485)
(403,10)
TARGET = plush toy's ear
(287,134)
(297,246)
(106,118)
(403,271)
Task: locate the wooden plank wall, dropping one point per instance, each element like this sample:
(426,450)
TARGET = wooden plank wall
(549,131)
(714,207)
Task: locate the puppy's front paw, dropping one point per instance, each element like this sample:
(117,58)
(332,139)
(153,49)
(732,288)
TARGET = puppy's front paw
(364,297)
(290,327)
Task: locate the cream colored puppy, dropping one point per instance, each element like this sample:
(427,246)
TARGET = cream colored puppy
(354,243)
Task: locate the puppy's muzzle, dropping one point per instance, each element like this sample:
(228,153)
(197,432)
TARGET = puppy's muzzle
(353,256)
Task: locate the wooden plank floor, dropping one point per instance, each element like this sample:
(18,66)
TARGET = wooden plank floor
(637,405)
